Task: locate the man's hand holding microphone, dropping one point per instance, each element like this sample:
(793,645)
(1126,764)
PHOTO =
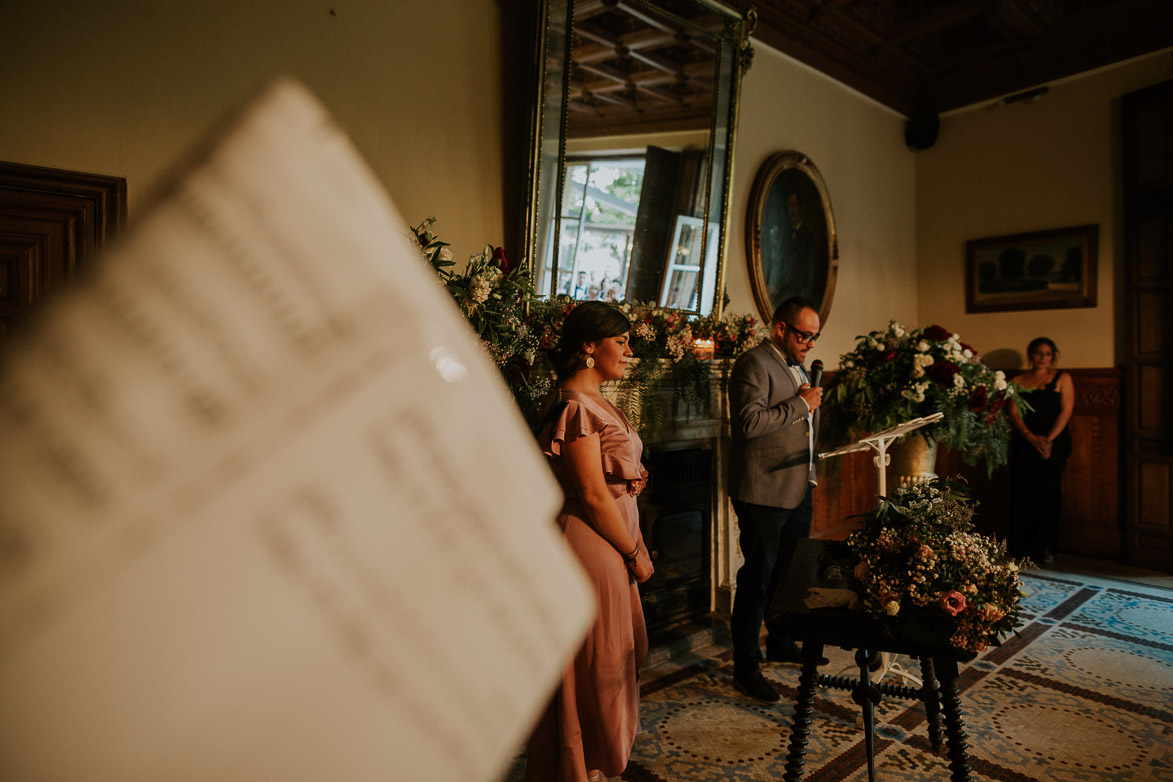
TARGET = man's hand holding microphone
(812,392)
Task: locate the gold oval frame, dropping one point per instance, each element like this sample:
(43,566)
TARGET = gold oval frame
(775,278)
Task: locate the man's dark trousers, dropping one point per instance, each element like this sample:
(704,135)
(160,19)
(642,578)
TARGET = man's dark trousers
(769,537)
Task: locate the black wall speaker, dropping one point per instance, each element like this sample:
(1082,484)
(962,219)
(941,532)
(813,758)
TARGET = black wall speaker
(921,131)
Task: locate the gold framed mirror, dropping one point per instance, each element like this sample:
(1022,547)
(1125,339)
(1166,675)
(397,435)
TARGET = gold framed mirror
(631,163)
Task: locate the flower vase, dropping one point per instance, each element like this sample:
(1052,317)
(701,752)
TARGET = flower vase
(912,460)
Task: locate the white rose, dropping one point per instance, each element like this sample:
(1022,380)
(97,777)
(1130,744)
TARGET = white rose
(480,290)
(967,353)
(923,346)
(958,381)
(999,381)
(917,371)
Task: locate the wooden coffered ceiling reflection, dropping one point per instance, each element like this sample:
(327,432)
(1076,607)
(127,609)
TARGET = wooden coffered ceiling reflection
(633,69)
(929,56)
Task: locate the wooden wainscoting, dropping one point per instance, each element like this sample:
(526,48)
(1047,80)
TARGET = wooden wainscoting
(1091,523)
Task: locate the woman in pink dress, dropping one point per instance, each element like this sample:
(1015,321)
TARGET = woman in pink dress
(588,730)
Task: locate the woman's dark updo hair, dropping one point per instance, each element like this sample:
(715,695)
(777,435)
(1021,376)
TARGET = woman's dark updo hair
(1037,343)
(590,321)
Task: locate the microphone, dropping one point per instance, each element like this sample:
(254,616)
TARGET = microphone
(816,372)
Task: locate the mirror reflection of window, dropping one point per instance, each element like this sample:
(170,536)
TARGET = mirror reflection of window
(600,201)
(685,264)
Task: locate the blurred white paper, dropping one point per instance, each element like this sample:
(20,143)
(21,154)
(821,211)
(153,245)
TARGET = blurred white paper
(267,512)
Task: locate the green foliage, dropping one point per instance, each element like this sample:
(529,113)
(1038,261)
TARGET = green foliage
(492,292)
(691,393)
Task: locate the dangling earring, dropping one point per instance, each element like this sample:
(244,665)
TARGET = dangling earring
(590,361)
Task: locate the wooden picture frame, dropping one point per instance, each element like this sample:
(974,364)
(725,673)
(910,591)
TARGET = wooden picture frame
(791,247)
(1041,270)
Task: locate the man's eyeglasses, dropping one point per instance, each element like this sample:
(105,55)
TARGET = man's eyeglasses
(803,336)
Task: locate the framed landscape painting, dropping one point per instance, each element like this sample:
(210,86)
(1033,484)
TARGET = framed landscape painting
(1032,271)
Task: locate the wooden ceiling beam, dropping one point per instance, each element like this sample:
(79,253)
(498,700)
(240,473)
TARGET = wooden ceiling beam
(949,17)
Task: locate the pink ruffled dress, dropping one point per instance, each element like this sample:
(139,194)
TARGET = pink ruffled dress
(594,716)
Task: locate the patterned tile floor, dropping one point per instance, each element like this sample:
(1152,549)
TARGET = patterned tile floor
(1085,692)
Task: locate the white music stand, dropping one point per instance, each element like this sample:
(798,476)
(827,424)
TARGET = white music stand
(879,443)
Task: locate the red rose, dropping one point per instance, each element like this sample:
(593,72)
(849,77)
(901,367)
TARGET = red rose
(978,399)
(942,372)
(501,260)
(936,334)
(889,355)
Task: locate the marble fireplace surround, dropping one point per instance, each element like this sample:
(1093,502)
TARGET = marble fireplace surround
(708,433)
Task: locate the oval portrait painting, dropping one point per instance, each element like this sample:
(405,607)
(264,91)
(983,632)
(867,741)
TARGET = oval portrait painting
(791,235)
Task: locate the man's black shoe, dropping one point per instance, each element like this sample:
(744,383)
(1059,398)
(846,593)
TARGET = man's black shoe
(756,686)
(790,654)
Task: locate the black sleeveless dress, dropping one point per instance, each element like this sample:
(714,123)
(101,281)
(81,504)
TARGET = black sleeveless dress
(1036,488)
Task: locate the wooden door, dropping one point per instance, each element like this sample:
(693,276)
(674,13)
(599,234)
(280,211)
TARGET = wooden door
(1148,326)
(52,224)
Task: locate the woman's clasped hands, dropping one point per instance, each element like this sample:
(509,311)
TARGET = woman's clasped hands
(640,564)
(1042,444)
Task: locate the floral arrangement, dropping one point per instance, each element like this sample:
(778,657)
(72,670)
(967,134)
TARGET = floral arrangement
(895,375)
(663,341)
(920,569)
(732,335)
(656,333)
(492,291)
(517,329)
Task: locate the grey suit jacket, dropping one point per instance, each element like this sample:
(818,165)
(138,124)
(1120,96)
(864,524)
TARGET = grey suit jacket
(770,459)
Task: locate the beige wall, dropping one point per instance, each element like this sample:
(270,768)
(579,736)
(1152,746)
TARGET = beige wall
(1052,163)
(121,88)
(858,147)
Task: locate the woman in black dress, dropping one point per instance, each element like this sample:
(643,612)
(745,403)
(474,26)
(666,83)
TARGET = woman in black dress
(1038,454)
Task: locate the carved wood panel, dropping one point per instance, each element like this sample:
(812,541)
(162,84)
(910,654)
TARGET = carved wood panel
(1091,484)
(845,490)
(1147,324)
(52,224)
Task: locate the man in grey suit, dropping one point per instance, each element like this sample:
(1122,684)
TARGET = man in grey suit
(775,420)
